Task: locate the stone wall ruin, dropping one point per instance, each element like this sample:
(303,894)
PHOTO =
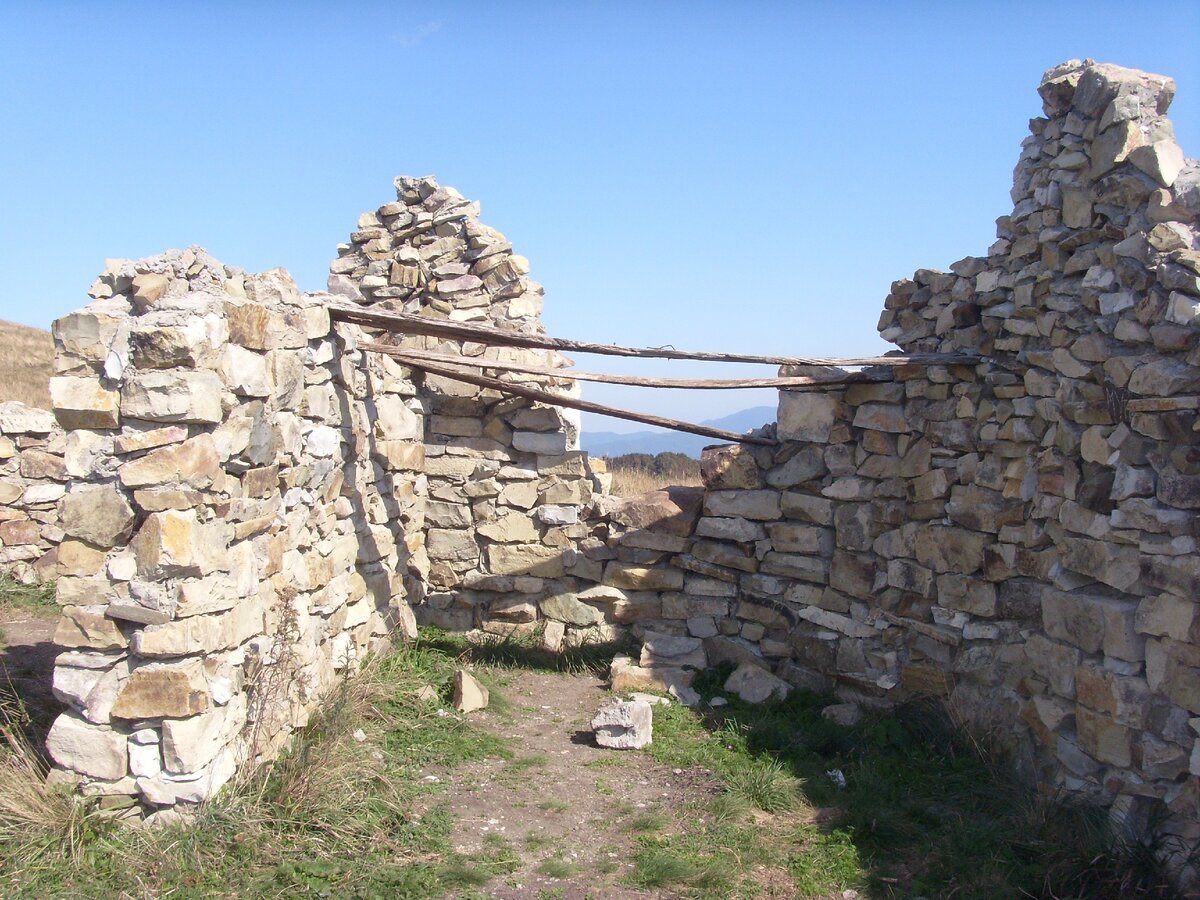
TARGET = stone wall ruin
(32,472)
(1017,536)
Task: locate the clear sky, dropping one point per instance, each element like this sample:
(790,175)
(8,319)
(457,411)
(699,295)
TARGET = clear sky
(725,176)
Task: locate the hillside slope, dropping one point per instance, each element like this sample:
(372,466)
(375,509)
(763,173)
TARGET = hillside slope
(26,361)
(607,443)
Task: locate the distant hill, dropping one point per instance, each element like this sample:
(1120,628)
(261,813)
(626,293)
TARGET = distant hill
(26,362)
(608,443)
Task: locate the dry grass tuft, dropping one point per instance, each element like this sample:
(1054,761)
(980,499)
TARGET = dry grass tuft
(26,362)
(42,821)
(634,482)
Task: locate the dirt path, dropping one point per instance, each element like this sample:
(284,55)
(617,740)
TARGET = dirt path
(569,809)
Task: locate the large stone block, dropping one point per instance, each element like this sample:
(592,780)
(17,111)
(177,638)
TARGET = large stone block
(92,750)
(806,416)
(525,559)
(201,633)
(756,505)
(84,402)
(950,549)
(642,578)
(192,743)
(193,462)
(98,514)
(158,690)
(174,542)
(730,467)
(173,395)
(564,607)
(88,626)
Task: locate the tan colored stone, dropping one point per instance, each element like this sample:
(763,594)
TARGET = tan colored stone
(201,633)
(84,402)
(158,690)
(88,749)
(469,694)
(173,395)
(78,558)
(642,578)
(149,288)
(98,514)
(1162,161)
(806,416)
(730,467)
(513,528)
(525,559)
(1114,146)
(88,626)
(193,462)
(192,743)
(173,542)
(1103,738)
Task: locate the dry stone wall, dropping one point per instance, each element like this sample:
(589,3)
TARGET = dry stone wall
(252,502)
(32,475)
(237,497)
(1018,537)
(506,481)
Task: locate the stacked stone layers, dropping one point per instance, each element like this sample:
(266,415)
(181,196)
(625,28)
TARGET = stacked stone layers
(1018,537)
(506,484)
(32,476)
(256,500)
(238,485)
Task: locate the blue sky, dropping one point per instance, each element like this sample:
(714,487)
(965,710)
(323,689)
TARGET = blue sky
(723,176)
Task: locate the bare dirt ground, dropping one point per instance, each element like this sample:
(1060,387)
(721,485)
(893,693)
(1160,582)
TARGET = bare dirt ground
(569,809)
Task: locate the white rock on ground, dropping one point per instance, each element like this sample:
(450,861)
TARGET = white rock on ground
(755,684)
(623,724)
(469,694)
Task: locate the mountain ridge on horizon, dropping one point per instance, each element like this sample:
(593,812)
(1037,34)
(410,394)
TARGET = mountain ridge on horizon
(609,443)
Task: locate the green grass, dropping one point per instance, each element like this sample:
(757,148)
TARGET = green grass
(557,867)
(925,811)
(37,598)
(525,652)
(332,817)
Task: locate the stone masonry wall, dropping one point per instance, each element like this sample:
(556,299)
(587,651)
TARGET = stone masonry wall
(1018,537)
(238,492)
(506,481)
(252,502)
(32,472)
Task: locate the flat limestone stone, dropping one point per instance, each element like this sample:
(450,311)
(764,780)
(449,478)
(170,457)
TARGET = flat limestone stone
(624,724)
(469,694)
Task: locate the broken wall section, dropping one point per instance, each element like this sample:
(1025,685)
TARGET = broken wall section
(507,485)
(234,516)
(1017,537)
(32,476)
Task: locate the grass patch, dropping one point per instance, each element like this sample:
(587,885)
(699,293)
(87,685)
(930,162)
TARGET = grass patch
(648,822)
(518,651)
(557,867)
(335,816)
(33,598)
(925,810)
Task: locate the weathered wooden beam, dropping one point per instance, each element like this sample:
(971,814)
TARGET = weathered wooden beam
(410,324)
(530,393)
(479,362)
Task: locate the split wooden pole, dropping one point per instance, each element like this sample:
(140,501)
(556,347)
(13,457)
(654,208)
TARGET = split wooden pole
(410,324)
(418,361)
(479,362)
